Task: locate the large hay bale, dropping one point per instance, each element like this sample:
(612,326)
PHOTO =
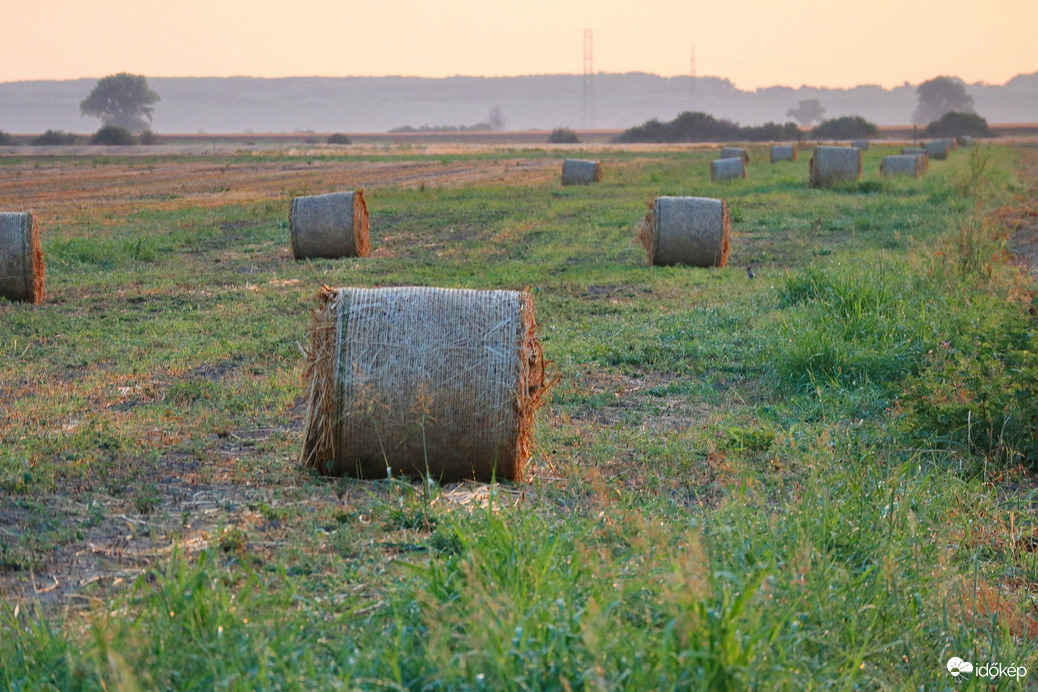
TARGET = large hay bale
(831,165)
(21,258)
(686,230)
(581,172)
(332,226)
(783,152)
(936,149)
(862,144)
(735,153)
(727,169)
(423,381)
(903,164)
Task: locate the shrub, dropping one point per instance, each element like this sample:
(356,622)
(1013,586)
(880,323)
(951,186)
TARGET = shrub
(847,127)
(7,140)
(54,138)
(563,135)
(148,137)
(703,127)
(338,138)
(956,124)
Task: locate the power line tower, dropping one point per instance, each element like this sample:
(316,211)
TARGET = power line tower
(692,81)
(587,101)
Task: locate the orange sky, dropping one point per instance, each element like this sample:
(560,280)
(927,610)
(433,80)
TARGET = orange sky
(752,42)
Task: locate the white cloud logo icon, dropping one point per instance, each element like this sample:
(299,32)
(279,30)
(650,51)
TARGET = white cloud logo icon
(956,666)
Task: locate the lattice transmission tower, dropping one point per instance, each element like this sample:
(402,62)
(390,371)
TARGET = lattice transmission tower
(587,101)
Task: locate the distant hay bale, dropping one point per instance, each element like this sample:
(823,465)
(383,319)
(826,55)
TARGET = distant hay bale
(686,230)
(735,153)
(727,169)
(965,141)
(783,152)
(831,165)
(953,143)
(903,164)
(862,144)
(332,226)
(21,258)
(581,172)
(423,381)
(936,149)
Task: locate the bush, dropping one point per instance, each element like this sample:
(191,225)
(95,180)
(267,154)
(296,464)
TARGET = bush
(52,138)
(847,127)
(148,137)
(113,134)
(339,138)
(956,124)
(7,140)
(563,135)
(703,127)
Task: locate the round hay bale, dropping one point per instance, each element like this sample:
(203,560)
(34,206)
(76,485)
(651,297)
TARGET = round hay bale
(936,149)
(965,141)
(862,144)
(419,382)
(727,169)
(783,152)
(952,143)
(735,153)
(903,164)
(581,172)
(686,230)
(331,226)
(831,165)
(21,258)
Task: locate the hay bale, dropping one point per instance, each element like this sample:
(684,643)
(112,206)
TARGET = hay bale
(965,141)
(735,153)
(425,381)
(862,144)
(903,164)
(331,226)
(952,143)
(686,230)
(21,258)
(783,152)
(936,149)
(581,172)
(831,165)
(727,169)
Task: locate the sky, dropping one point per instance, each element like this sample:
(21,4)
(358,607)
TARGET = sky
(754,43)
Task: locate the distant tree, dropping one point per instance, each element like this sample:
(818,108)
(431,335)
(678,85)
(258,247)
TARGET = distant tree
(695,126)
(113,134)
(563,135)
(148,137)
(123,100)
(938,96)
(955,124)
(496,118)
(338,138)
(846,127)
(54,138)
(7,140)
(809,111)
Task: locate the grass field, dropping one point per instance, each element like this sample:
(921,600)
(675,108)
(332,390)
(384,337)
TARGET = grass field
(823,477)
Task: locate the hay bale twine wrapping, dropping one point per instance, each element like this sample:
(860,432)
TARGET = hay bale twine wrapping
(434,381)
(903,164)
(735,153)
(783,152)
(581,172)
(862,144)
(727,169)
(21,258)
(937,149)
(831,165)
(331,226)
(686,230)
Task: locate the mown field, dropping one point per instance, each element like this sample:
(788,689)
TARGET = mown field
(823,477)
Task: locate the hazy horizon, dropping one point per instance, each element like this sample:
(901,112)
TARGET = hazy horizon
(752,43)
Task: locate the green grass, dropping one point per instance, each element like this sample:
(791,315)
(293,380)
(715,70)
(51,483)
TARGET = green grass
(821,478)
